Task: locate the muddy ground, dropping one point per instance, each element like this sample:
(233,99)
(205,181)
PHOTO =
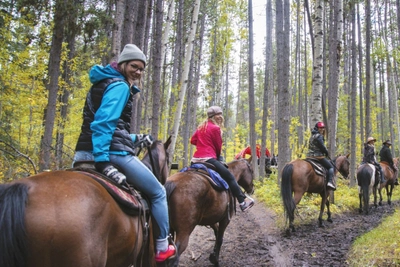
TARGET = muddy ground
(253,239)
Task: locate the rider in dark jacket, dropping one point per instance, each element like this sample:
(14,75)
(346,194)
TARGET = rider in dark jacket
(317,149)
(386,155)
(369,156)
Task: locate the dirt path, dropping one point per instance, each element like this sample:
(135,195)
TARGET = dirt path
(252,239)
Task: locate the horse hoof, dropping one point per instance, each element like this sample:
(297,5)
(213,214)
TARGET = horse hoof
(213,259)
(330,220)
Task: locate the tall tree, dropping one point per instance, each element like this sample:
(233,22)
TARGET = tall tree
(267,82)
(52,85)
(282,25)
(253,135)
(156,64)
(368,127)
(183,82)
(316,94)
(335,49)
(353,96)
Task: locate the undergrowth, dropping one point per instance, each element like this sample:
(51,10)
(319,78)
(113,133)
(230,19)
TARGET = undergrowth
(379,247)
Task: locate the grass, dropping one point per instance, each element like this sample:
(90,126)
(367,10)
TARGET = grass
(379,247)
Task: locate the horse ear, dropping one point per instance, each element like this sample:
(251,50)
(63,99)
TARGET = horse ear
(249,159)
(348,155)
(168,142)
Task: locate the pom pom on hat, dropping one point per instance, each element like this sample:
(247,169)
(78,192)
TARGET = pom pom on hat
(131,52)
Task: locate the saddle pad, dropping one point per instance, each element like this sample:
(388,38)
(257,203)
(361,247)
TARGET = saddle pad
(213,176)
(129,199)
(319,170)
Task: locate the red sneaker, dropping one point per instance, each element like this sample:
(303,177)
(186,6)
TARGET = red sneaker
(165,255)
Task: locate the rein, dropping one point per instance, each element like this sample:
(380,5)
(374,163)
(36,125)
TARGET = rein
(334,165)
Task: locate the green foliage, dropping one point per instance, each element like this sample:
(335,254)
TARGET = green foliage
(379,247)
(346,198)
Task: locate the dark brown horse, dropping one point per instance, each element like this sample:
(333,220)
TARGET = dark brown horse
(299,177)
(390,176)
(193,201)
(367,184)
(66,218)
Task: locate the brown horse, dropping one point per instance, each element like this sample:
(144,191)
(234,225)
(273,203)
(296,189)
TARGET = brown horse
(367,184)
(66,218)
(299,177)
(192,201)
(390,176)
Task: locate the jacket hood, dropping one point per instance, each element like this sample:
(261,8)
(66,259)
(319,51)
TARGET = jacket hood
(98,73)
(314,131)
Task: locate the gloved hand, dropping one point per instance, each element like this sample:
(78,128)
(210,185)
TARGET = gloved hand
(110,171)
(144,140)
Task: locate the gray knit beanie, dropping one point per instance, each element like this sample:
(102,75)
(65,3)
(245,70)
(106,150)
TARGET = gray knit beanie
(131,52)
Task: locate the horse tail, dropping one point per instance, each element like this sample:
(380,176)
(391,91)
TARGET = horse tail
(169,188)
(286,192)
(364,178)
(13,247)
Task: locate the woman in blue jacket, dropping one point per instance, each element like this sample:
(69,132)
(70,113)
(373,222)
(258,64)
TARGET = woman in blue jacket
(105,133)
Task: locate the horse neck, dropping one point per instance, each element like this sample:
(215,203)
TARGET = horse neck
(160,170)
(339,164)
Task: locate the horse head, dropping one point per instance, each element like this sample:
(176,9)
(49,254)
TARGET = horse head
(243,172)
(342,164)
(157,159)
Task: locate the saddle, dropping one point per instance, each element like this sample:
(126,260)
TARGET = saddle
(389,165)
(212,176)
(318,168)
(129,199)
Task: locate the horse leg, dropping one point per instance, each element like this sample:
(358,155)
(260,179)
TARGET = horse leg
(328,211)
(296,199)
(181,243)
(219,230)
(389,193)
(360,196)
(375,197)
(380,196)
(321,209)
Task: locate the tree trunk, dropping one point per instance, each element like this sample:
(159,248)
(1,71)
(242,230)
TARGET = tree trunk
(353,97)
(156,67)
(282,41)
(183,82)
(316,94)
(368,127)
(267,84)
(52,86)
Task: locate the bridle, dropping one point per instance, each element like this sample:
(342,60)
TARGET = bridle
(338,169)
(157,171)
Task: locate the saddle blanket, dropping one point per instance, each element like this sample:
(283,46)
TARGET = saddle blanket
(217,179)
(131,200)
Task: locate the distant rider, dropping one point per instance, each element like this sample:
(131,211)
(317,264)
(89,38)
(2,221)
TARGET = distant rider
(317,150)
(386,155)
(369,156)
